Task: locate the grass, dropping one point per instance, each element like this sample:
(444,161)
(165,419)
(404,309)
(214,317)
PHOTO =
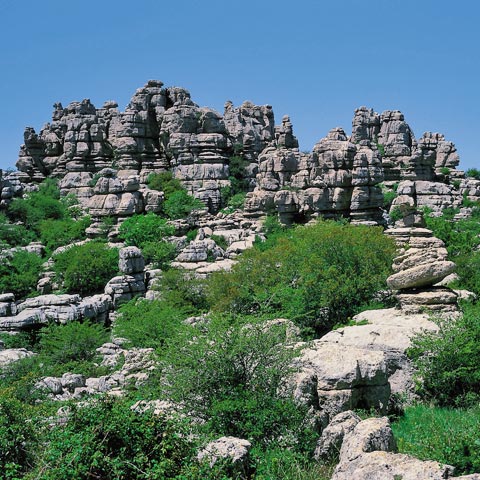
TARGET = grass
(449,436)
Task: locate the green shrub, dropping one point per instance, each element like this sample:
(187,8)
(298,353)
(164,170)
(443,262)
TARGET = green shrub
(108,440)
(473,173)
(159,254)
(69,344)
(445,435)
(180,204)
(238,174)
(164,182)
(14,234)
(19,273)
(142,229)
(445,171)
(85,269)
(37,206)
(388,198)
(56,233)
(316,276)
(183,290)
(17,436)
(220,241)
(448,362)
(148,324)
(230,375)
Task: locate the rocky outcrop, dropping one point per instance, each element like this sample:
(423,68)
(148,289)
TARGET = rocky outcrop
(332,378)
(131,283)
(330,442)
(231,449)
(11,355)
(337,178)
(44,309)
(134,371)
(421,263)
(368,453)
(388,331)
(162,129)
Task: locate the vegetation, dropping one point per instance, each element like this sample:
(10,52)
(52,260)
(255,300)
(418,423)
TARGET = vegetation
(317,276)
(178,203)
(19,273)
(449,436)
(148,324)
(473,173)
(448,361)
(462,239)
(85,269)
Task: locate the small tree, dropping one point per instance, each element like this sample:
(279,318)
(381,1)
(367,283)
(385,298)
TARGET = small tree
(85,269)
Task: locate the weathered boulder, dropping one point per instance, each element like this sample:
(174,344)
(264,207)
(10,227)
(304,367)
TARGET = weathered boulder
(332,378)
(236,450)
(329,444)
(11,355)
(367,454)
(421,275)
(389,331)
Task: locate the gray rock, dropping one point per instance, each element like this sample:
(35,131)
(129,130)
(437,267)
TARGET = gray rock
(332,378)
(228,448)
(329,444)
(11,355)
(131,260)
(367,454)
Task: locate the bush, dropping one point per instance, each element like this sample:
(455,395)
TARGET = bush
(448,362)
(108,440)
(17,434)
(316,276)
(85,269)
(473,173)
(56,233)
(148,324)
(159,254)
(180,204)
(183,290)
(230,374)
(14,234)
(142,229)
(68,347)
(19,273)
(441,434)
(164,182)
(37,206)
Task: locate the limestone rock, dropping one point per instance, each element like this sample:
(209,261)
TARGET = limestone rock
(390,331)
(329,444)
(367,453)
(332,378)
(11,355)
(131,260)
(228,448)
(421,275)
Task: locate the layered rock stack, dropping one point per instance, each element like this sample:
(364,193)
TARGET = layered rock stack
(162,129)
(131,283)
(337,178)
(421,264)
(117,195)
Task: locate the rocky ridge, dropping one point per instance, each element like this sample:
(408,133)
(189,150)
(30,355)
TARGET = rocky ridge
(104,157)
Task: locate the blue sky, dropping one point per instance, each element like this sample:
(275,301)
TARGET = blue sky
(313,60)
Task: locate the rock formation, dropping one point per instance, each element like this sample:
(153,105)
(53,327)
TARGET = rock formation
(368,452)
(162,129)
(421,263)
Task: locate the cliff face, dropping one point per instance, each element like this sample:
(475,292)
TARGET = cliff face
(163,129)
